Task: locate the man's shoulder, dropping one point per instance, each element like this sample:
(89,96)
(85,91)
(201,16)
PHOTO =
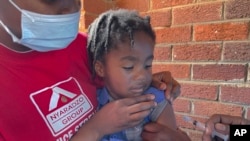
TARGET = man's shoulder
(79,45)
(82,35)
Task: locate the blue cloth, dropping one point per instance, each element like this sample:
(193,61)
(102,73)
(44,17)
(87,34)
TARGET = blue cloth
(103,98)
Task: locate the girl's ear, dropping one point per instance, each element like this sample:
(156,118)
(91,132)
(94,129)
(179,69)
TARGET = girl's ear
(99,68)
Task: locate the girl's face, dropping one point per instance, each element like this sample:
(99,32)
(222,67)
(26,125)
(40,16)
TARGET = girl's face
(127,71)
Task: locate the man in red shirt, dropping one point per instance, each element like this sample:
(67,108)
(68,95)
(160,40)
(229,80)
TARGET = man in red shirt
(46,89)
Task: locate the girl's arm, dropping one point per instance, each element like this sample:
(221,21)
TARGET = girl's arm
(165,128)
(167,117)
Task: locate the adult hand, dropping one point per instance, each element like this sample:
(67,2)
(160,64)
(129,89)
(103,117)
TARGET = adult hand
(165,81)
(221,124)
(116,116)
(157,132)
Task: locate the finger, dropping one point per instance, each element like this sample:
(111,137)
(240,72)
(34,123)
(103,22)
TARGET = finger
(206,138)
(161,80)
(149,131)
(143,106)
(165,81)
(136,118)
(168,91)
(147,136)
(176,90)
(222,128)
(166,77)
(207,135)
(227,119)
(220,123)
(138,99)
(158,84)
(175,84)
(151,127)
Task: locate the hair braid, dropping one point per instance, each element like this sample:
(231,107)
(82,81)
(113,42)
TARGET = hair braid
(94,41)
(113,27)
(108,30)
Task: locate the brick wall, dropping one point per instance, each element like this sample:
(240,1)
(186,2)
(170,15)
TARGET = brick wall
(206,46)
(91,9)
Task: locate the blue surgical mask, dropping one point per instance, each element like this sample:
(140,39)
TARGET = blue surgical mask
(45,32)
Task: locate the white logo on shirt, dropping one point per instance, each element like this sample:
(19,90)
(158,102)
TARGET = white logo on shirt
(56,95)
(66,105)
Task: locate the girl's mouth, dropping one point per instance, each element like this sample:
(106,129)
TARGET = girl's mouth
(137,91)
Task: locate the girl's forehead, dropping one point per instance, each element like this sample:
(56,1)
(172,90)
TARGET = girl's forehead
(133,45)
(138,37)
(139,47)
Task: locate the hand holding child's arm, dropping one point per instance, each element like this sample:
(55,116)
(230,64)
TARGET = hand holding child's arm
(116,116)
(165,128)
(165,81)
(158,132)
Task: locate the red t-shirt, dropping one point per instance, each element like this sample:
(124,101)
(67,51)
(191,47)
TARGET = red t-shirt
(45,96)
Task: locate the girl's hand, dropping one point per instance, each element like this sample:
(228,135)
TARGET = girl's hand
(116,116)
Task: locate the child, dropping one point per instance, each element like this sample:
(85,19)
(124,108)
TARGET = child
(120,48)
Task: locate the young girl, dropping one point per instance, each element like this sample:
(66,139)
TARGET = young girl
(120,48)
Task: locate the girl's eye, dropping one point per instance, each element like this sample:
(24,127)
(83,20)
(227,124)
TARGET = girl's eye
(148,66)
(128,68)
(50,1)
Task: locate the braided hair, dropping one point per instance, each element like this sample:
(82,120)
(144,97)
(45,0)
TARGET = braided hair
(113,27)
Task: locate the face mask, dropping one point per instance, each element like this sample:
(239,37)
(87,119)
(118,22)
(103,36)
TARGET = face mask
(45,32)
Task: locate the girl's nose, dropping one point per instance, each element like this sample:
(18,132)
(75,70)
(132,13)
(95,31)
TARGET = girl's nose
(142,75)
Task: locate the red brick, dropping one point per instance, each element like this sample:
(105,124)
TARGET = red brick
(139,5)
(235,94)
(178,70)
(237,51)
(235,9)
(182,105)
(180,122)
(225,72)
(197,52)
(197,13)
(96,6)
(82,27)
(206,108)
(204,0)
(86,20)
(199,91)
(162,53)
(160,18)
(173,35)
(221,31)
(195,135)
(157,4)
